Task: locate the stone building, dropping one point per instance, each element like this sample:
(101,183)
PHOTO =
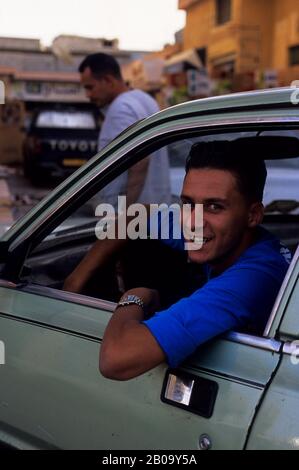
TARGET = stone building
(247,43)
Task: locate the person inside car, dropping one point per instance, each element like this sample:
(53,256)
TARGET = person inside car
(244,266)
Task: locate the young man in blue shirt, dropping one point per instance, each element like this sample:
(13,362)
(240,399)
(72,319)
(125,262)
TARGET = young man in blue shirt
(244,263)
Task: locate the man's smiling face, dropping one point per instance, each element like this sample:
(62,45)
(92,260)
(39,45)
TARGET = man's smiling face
(228,218)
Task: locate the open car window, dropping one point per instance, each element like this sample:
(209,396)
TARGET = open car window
(60,252)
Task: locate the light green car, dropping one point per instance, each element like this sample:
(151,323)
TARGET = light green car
(237,392)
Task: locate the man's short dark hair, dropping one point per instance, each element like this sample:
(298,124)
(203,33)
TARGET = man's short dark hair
(250,171)
(101,64)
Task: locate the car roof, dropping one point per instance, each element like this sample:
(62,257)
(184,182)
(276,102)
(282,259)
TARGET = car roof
(252,99)
(234,102)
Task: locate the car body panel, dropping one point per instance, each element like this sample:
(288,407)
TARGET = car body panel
(273,327)
(276,424)
(289,327)
(67,338)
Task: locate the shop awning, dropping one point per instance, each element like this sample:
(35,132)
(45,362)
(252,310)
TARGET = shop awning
(176,63)
(222,60)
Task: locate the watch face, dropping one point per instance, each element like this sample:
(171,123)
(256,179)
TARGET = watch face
(131,297)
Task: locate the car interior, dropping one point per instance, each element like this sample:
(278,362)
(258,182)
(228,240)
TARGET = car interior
(150,263)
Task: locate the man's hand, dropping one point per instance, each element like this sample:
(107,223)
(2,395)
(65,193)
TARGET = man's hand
(100,253)
(136,180)
(129,348)
(73,284)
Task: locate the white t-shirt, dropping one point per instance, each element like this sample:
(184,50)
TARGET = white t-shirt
(128,108)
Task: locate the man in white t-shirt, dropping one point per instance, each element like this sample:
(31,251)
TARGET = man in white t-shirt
(148,181)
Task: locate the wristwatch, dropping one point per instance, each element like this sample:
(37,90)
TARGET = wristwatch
(129,300)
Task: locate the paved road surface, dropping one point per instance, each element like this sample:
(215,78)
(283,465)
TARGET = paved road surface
(17,195)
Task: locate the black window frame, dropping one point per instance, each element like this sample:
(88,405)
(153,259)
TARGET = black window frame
(223,11)
(294,55)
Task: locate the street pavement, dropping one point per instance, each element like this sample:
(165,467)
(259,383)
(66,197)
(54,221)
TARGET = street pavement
(17,195)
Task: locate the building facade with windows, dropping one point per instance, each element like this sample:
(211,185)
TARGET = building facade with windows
(33,73)
(35,76)
(246,43)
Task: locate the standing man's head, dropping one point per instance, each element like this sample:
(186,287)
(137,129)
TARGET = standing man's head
(101,78)
(230,187)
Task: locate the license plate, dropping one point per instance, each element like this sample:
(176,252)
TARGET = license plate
(73,161)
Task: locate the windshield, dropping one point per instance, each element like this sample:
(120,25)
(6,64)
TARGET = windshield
(287,164)
(66,120)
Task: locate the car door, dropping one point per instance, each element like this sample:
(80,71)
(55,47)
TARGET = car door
(52,393)
(276,423)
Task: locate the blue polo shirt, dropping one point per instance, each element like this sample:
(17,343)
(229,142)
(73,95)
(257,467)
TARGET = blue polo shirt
(241,297)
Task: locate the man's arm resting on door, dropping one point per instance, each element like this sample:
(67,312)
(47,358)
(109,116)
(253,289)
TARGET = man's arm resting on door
(128,348)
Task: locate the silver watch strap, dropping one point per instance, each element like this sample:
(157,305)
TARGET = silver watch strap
(129,300)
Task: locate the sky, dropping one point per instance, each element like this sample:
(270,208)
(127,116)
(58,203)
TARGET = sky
(138,24)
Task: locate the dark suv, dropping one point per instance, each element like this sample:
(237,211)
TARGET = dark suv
(59,140)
